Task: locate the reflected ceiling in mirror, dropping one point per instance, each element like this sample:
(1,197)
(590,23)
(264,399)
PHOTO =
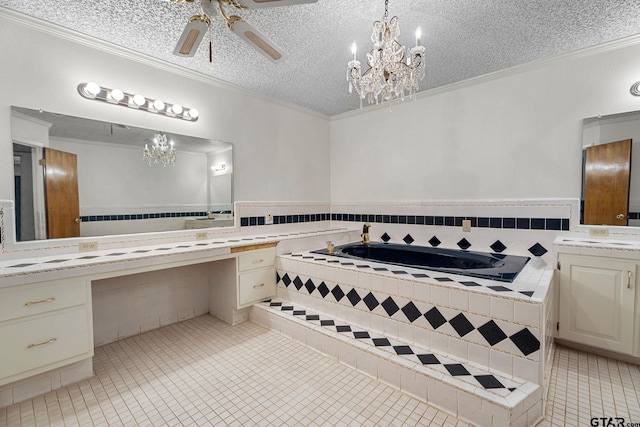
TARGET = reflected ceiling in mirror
(117,191)
(610,181)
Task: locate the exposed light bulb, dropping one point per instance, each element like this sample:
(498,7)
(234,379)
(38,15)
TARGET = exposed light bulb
(92,88)
(193,113)
(418,35)
(117,95)
(158,104)
(354,49)
(139,100)
(177,109)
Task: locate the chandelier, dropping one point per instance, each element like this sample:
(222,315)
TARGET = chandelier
(391,75)
(159,151)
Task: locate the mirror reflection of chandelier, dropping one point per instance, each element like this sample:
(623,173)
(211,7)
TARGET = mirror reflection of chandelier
(159,151)
(390,76)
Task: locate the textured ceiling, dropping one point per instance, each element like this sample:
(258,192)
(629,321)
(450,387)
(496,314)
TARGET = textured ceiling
(463,38)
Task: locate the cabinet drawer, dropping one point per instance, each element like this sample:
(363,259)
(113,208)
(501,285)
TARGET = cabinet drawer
(36,343)
(256,285)
(27,300)
(259,258)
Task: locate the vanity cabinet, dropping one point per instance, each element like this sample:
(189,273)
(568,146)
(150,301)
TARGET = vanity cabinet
(241,281)
(597,302)
(256,276)
(44,326)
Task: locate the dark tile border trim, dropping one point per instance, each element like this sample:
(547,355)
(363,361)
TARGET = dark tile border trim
(559,224)
(131,217)
(247,221)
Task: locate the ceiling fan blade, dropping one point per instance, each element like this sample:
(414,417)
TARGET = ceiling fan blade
(256,39)
(192,36)
(258,4)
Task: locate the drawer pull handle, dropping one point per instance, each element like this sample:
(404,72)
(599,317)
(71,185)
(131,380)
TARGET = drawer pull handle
(30,303)
(51,341)
(258,286)
(258,261)
(628,280)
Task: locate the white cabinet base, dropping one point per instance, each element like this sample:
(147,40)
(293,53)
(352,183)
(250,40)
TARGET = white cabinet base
(597,302)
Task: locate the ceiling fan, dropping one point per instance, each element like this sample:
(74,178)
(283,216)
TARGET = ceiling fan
(198,26)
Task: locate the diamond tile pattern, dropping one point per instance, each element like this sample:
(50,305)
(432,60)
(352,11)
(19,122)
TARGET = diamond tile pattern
(371,301)
(435,318)
(526,342)
(353,297)
(461,324)
(491,331)
(385,237)
(434,241)
(498,246)
(390,306)
(464,244)
(469,374)
(323,289)
(538,250)
(337,293)
(411,312)
(310,285)
(408,239)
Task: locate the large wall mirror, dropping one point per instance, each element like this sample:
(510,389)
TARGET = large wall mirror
(611,170)
(76,177)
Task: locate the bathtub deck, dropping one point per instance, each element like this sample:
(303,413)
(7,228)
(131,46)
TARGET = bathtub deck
(530,284)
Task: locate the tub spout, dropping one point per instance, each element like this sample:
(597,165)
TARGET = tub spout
(365,233)
(330,247)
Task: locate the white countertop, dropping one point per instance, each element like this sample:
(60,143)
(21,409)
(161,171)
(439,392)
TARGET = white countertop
(53,267)
(598,247)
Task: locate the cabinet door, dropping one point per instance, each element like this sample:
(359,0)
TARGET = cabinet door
(597,297)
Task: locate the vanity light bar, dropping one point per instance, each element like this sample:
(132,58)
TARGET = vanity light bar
(94,91)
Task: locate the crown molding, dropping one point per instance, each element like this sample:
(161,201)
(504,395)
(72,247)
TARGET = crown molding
(518,69)
(125,53)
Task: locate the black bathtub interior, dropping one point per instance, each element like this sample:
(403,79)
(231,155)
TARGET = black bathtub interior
(500,267)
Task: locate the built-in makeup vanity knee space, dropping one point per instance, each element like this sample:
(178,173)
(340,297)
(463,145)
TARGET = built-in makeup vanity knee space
(49,311)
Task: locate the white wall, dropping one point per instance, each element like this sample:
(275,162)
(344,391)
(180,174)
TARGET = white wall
(513,135)
(280,152)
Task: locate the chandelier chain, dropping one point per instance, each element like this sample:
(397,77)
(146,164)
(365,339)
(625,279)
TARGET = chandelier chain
(386,8)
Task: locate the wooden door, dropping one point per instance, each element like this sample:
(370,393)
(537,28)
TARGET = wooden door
(606,185)
(61,194)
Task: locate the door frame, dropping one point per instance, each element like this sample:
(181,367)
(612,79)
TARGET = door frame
(40,215)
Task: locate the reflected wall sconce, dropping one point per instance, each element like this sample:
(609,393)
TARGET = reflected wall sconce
(219,168)
(635,89)
(96,92)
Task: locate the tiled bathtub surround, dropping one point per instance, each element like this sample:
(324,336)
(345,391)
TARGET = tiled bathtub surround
(446,315)
(474,322)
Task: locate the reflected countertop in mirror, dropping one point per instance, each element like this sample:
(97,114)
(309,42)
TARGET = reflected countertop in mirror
(119,188)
